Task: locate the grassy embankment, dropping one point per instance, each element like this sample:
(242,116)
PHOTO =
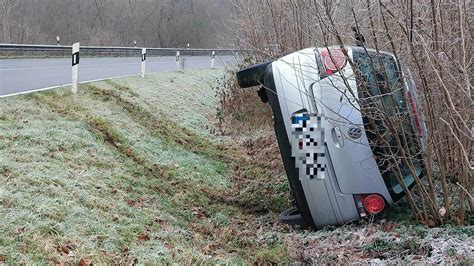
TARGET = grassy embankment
(118,173)
(131,170)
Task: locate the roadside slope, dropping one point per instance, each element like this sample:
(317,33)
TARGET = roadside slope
(120,173)
(129,170)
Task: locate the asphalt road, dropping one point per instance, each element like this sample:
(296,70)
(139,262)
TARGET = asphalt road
(23,75)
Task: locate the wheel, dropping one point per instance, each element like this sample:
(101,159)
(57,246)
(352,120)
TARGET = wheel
(252,75)
(291,216)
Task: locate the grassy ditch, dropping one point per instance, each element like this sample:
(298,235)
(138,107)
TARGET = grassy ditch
(108,176)
(132,170)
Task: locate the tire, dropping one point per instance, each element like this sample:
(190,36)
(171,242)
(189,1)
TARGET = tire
(252,75)
(291,216)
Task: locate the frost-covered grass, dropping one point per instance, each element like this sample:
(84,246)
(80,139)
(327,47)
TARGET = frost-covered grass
(129,171)
(119,172)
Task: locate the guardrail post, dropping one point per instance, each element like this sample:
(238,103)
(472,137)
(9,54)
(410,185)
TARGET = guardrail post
(212,59)
(143,62)
(177,61)
(75,67)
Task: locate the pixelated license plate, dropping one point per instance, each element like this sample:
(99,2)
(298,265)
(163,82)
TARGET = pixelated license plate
(308,145)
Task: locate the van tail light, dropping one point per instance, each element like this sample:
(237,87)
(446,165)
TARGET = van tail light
(373,203)
(334,60)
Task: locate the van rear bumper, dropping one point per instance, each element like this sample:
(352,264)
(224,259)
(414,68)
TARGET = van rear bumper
(327,204)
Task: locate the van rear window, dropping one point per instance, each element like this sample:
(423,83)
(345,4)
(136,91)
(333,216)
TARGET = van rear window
(381,90)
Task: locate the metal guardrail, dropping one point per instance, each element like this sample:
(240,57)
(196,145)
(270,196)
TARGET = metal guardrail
(76,52)
(13,49)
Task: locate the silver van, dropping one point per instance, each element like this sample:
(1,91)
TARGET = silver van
(331,158)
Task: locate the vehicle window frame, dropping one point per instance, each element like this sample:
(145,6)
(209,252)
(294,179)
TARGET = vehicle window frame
(397,91)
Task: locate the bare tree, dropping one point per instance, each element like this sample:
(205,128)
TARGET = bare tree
(111,22)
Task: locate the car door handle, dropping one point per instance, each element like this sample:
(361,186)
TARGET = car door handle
(337,137)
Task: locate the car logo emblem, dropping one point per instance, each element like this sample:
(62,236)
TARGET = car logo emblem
(354,132)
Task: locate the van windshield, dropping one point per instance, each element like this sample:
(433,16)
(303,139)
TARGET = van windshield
(381,91)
